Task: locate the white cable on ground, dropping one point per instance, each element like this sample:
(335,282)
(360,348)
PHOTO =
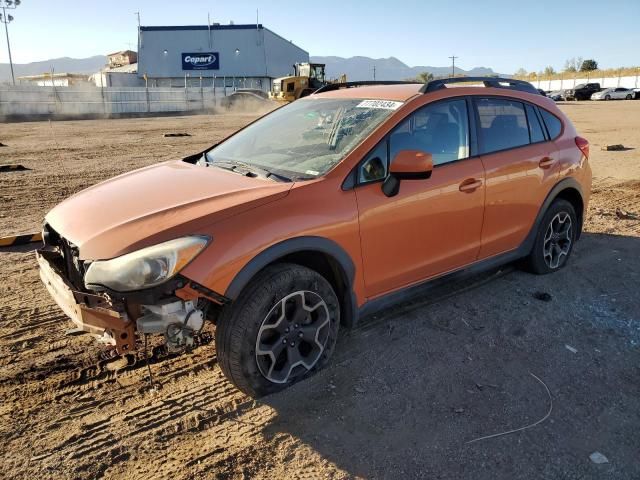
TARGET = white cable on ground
(525,427)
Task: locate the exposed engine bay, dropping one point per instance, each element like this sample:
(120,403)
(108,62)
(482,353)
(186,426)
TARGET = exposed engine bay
(175,311)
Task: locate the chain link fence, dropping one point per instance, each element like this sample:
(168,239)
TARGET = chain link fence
(36,101)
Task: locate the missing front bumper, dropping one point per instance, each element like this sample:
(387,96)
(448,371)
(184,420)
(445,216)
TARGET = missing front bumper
(90,313)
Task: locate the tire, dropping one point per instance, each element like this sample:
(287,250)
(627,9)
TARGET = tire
(282,295)
(607,97)
(539,261)
(628,97)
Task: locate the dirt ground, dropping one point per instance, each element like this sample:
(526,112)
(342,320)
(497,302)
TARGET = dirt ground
(407,390)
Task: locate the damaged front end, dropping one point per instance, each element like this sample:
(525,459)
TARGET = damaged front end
(175,307)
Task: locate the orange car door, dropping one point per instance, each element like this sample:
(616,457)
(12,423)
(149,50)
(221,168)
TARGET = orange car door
(432,225)
(520,168)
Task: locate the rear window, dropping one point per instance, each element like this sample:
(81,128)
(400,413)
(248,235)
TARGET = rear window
(502,124)
(553,123)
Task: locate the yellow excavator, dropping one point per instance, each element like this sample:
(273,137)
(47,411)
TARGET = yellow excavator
(306,79)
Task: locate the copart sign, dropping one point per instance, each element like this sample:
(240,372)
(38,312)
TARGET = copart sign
(201,61)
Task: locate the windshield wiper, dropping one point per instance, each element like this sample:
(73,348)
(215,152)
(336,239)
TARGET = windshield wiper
(244,168)
(279,176)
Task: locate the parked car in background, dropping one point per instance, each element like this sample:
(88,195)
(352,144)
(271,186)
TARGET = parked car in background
(636,93)
(556,96)
(619,93)
(582,91)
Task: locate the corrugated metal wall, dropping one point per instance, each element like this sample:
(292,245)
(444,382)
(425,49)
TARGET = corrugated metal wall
(243,51)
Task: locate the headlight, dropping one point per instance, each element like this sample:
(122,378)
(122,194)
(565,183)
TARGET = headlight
(144,268)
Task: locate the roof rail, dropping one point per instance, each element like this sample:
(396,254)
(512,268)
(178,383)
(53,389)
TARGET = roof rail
(495,82)
(337,86)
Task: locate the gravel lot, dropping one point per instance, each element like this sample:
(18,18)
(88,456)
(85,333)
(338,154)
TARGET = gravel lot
(407,390)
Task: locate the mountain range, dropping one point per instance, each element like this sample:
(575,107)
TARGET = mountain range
(362,68)
(65,64)
(356,68)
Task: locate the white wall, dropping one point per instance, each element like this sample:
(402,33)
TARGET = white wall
(606,82)
(116,79)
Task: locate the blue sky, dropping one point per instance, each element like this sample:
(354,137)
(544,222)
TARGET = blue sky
(504,35)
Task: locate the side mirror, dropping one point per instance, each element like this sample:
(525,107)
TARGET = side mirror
(407,165)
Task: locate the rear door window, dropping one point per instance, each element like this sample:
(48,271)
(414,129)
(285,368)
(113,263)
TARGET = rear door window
(502,124)
(553,123)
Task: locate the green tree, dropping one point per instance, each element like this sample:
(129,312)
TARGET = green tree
(424,77)
(548,71)
(521,73)
(589,65)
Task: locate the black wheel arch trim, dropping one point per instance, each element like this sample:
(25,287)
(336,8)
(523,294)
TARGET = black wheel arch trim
(564,184)
(297,245)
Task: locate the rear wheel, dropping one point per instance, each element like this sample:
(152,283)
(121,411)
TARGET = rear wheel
(607,97)
(555,238)
(628,97)
(282,329)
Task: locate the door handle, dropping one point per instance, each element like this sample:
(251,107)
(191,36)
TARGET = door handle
(470,185)
(546,162)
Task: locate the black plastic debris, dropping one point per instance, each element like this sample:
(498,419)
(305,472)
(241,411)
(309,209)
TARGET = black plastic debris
(13,168)
(542,296)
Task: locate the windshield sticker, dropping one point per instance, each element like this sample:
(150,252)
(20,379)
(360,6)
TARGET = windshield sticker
(312,172)
(383,104)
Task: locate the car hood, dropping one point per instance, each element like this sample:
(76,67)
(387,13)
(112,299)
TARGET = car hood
(155,204)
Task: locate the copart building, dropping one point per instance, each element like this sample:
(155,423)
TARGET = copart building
(235,56)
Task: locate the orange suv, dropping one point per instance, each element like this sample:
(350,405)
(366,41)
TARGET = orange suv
(317,214)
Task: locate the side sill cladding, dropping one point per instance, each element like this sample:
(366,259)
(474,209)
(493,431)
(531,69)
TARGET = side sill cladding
(297,245)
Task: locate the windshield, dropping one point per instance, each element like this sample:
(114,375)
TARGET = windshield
(304,139)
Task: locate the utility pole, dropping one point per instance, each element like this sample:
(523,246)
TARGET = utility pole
(137,14)
(374,73)
(453,65)
(6,19)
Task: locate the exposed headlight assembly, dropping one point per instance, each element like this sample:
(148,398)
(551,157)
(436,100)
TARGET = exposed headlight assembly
(144,268)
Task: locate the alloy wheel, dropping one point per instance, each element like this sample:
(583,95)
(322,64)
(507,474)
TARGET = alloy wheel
(292,336)
(557,240)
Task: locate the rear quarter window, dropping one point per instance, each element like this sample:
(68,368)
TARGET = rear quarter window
(535,129)
(553,124)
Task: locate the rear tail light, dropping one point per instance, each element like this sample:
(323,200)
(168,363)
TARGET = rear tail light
(583,145)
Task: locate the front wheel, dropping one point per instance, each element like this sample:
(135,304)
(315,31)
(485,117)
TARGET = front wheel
(628,97)
(555,238)
(607,97)
(281,329)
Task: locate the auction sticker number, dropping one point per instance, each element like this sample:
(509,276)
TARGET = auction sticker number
(383,104)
